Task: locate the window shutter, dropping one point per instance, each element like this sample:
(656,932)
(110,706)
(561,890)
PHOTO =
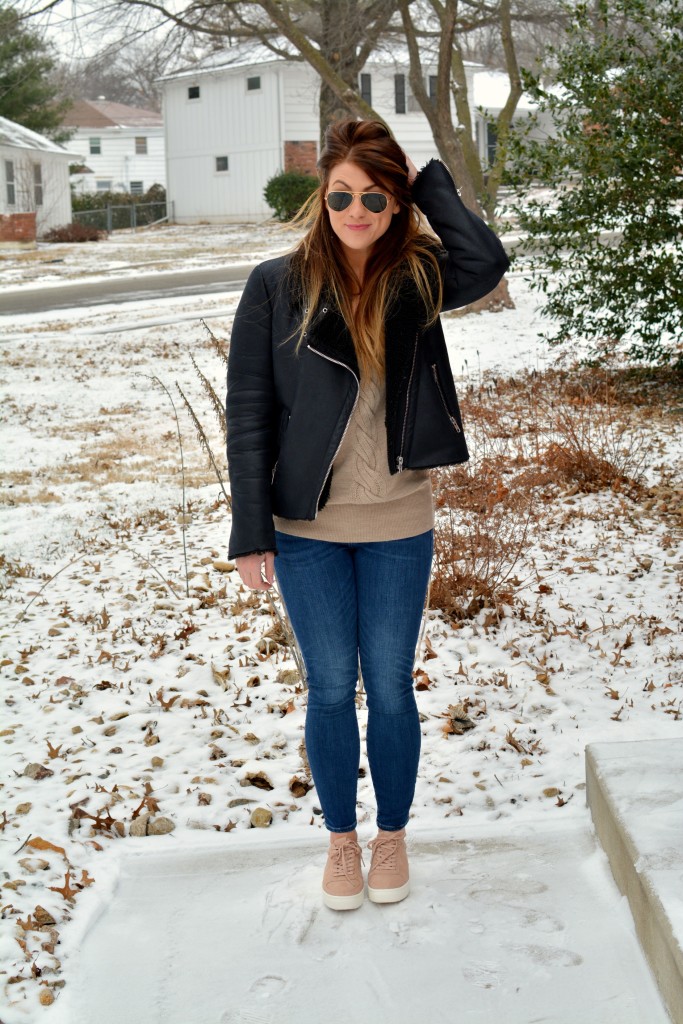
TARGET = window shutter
(400,93)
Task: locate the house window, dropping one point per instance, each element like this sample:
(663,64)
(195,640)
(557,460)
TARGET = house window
(253,83)
(193,92)
(140,145)
(38,184)
(103,185)
(9,179)
(432,88)
(137,188)
(400,94)
(95,147)
(366,88)
(221,164)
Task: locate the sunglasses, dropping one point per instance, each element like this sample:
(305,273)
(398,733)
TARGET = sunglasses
(375,202)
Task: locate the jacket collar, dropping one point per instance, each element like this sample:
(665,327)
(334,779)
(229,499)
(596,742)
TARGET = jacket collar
(404,321)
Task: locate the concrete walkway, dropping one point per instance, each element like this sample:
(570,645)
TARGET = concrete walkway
(503,924)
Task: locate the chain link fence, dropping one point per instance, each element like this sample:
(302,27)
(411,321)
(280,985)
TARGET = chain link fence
(130,216)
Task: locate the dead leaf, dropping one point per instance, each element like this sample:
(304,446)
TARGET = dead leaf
(42,844)
(53,751)
(299,787)
(430,652)
(258,779)
(221,676)
(65,890)
(422,680)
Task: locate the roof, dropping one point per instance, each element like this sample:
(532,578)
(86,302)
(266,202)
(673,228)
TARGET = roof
(255,54)
(105,114)
(13,134)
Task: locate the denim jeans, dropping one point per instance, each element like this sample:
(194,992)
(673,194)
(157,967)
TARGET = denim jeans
(348,602)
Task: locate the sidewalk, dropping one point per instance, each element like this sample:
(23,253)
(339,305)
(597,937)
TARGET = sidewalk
(502,924)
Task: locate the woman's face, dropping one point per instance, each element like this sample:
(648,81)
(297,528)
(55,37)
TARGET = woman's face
(356,227)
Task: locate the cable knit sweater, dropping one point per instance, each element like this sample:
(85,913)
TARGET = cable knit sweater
(367,503)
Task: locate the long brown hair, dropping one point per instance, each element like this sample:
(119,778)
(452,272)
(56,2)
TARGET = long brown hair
(405,252)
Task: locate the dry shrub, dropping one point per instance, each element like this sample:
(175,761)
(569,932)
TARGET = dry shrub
(593,443)
(528,436)
(484,511)
(74,233)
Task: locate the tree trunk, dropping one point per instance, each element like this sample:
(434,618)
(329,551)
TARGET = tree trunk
(338,47)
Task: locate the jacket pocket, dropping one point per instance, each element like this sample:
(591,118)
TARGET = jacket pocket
(442,396)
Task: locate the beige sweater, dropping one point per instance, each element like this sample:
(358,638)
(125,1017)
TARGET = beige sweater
(366,503)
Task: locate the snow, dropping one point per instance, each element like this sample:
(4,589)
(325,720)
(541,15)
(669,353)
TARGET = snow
(518,927)
(13,134)
(136,696)
(147,250)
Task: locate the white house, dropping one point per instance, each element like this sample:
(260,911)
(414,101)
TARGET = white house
(34,180)
(123,147)
(489,94)
(230,126)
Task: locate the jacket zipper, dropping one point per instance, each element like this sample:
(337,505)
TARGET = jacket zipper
(399,460)
(355,403)
(443,399)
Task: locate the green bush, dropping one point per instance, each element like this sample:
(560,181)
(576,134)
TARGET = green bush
(287,192)
(607,252)
(100,200)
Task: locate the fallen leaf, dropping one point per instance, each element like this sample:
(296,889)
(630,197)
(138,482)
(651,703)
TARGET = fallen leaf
(65,890)
(42,844)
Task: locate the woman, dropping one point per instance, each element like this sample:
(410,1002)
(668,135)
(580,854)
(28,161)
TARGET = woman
(340,400)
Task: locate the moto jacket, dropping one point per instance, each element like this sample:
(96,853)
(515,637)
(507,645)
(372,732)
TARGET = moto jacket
(287,411)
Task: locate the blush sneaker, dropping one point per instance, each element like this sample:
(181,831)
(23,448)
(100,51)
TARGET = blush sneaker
(343,886)
(388,880)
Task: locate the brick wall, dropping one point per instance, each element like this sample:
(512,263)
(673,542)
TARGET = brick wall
(18,227)
(301,156)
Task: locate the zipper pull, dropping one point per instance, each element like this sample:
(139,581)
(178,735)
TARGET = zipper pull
(399,464)
(455,424)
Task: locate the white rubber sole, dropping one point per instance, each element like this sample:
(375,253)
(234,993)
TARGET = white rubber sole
(389,895)
(343,902)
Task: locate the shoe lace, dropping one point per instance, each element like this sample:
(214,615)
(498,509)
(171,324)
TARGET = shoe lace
(345,856)
(384,850)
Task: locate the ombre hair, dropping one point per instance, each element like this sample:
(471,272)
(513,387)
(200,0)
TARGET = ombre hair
(405,253)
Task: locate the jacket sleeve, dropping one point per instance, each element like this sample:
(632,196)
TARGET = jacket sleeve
(250,416)
(474,260)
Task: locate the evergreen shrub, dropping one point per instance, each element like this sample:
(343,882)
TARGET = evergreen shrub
(285,193)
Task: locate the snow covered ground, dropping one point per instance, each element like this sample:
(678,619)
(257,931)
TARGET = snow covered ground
(124,697)
(127,253)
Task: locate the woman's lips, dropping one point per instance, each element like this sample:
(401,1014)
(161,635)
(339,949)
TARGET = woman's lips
(357,227)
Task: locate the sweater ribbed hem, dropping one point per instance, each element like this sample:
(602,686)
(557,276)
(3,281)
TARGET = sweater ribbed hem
(407,516)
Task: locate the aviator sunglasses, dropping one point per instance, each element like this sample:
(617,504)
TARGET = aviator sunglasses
(375,202)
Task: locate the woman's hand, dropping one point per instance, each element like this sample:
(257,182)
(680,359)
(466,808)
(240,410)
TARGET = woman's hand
(253,569)
(412,169)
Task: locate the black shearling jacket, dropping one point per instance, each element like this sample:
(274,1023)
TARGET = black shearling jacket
(287,412)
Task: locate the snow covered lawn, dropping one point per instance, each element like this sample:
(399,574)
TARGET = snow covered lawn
(131,706)
(127,253)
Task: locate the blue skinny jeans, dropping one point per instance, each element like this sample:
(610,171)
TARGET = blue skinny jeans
(351,602)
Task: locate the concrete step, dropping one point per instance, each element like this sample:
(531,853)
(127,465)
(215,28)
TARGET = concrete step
(635,795)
